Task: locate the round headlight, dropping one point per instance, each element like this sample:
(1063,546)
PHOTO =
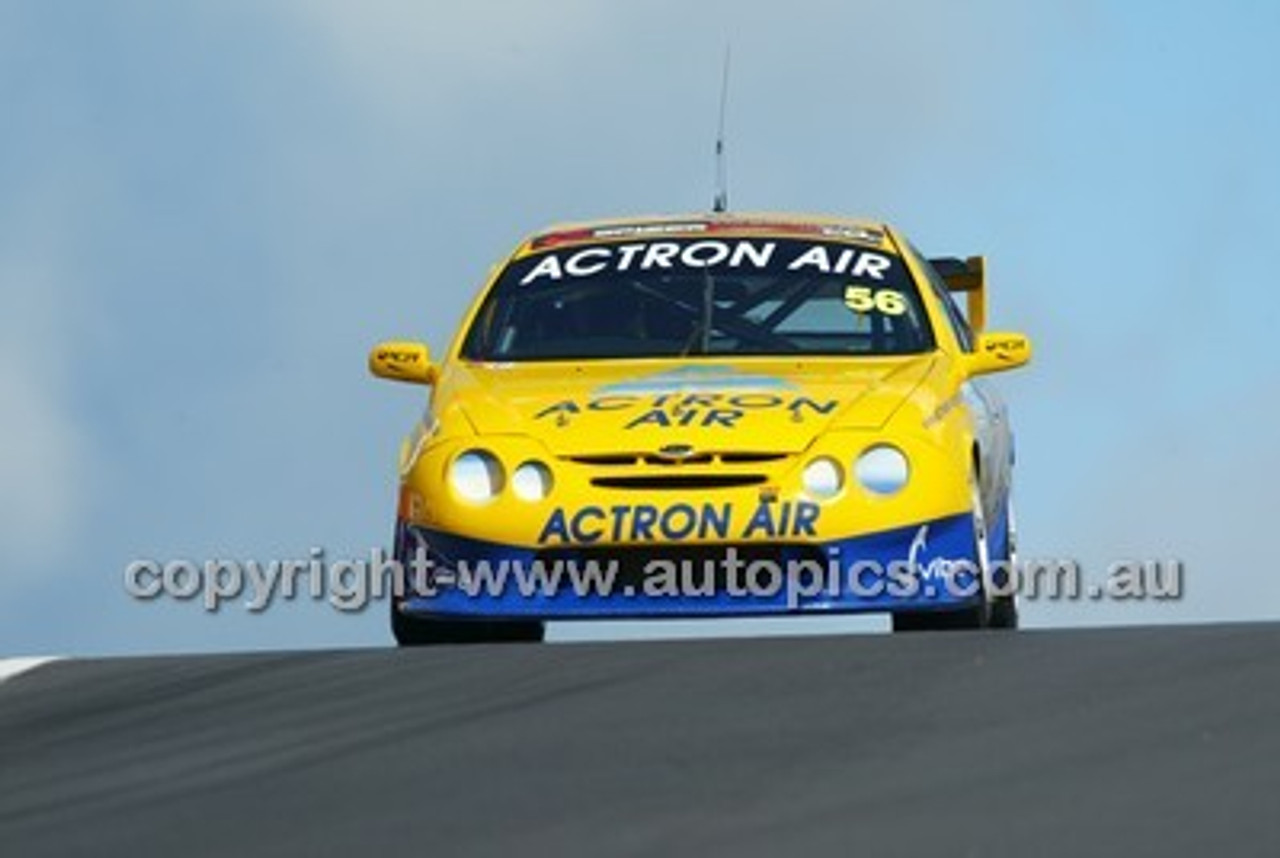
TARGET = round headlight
(882,469)
(531,481)
(476,476)
(823,478)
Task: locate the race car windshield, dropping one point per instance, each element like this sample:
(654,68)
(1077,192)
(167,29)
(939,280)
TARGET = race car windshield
(680,298)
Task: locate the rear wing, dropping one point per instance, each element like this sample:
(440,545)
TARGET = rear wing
(968,276)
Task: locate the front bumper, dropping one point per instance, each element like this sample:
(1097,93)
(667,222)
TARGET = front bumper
(923,566)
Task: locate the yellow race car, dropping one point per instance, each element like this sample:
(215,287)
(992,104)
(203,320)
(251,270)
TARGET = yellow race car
(708,415)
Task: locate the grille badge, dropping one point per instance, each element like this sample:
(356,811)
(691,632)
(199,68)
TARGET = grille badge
(675,452)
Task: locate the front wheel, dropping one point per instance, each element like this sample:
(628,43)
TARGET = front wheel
(1004,607)
(988,613)
(411,630)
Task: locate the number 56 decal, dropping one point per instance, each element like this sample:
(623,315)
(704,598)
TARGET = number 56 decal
(864,299)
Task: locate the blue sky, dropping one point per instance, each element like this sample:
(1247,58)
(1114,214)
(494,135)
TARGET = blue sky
(209,211)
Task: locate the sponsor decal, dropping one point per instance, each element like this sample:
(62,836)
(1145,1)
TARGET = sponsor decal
(679,522)
(689,409)
(695,396)
(951,403)
(630,231)
(958,572)
(836,231)
(399,356)
(741,254)
(1006,349)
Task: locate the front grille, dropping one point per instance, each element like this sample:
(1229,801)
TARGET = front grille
(607,460)
(690,482)
(750,458)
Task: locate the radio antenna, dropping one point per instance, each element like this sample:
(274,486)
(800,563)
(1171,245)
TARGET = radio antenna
(721,201)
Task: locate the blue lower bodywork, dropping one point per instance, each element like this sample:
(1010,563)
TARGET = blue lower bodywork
(932,562)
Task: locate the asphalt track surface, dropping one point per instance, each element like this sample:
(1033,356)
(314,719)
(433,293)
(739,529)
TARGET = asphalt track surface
(1162,741)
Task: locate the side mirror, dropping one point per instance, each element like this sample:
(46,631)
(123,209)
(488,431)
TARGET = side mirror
(997,351)
(402,361)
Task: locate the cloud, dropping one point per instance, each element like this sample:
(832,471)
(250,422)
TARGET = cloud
(44,473)
(38,466)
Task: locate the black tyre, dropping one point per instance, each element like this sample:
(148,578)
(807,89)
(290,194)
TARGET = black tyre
(941,621)
(410,630)
(1004,608)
